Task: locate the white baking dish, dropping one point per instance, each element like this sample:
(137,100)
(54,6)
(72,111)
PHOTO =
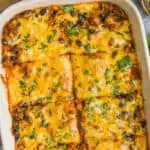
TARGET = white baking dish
(141,48)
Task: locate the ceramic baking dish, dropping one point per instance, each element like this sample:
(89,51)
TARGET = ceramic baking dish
(141,47)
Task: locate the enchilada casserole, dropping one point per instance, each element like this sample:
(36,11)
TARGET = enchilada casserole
(73,79)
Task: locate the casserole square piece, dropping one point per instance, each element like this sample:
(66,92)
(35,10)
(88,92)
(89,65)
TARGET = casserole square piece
(40,82)
(30,37)
(112,119)
(105,74)
(45,127)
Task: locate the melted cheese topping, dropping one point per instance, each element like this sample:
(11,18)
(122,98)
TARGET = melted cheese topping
(49,125)
(103,75)
(40,82)
(104,118)
(73,79)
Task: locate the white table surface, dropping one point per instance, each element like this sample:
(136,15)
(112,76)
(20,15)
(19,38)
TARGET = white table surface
(146,20)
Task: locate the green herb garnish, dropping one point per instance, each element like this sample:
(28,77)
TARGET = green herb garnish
(104,107)
(50,143)
(33,86)
(26,37)
(68,8)
(86,72)
(23,85)
(64,147)
(116,88)
(121,34)
(88,47)
(106,74)
(73,31)
(51,36)
(124,62)
(57,85)
(43,46)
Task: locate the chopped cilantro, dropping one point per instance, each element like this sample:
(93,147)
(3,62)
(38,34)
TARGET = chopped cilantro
(104,107)
(124,62)
(86,72)
(43,46)
(36,113)
(49,97)
(66,135)
(50,143)
(73,30)
(68,8)
(51,36)
(121,34)
(112,41)
(116,88)
(91,109)
(64,147)
(54,32)
(24,87)
(97,81)
(57,85)
(106,74)
(44,64)
(38,70)
(25,46)
(33,86)
(70,97)
(88,47)
(25,40)
(22,84)
(26,37)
